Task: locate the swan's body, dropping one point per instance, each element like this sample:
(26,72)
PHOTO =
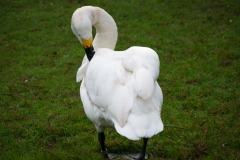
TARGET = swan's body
(119,88)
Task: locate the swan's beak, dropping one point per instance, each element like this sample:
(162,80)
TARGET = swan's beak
(87,44)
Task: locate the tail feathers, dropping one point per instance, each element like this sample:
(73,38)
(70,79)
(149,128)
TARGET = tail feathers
(137,130)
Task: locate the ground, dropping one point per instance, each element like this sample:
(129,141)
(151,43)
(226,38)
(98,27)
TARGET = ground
(198,42)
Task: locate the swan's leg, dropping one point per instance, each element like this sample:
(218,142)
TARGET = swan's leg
(140,155)
(101,139)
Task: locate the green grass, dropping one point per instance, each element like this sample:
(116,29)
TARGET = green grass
(198,42)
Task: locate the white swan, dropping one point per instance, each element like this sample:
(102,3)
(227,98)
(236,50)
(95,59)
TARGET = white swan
(118,88)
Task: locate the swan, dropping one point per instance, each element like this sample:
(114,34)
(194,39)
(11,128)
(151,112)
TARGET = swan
(119,88)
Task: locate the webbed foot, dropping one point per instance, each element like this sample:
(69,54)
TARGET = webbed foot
(134,156)
(106,154)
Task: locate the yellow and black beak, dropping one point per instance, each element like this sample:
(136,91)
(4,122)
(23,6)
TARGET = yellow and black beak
(87,44)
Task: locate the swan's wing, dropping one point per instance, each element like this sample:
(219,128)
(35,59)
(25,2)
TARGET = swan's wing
(106,85)
(144,118)
(144,64)
(82,70)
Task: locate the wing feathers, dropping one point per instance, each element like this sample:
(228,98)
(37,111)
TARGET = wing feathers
(122,102)
(144,63)
(82,70)
(143,83)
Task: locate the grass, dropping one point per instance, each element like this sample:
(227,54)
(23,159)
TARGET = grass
(198,42)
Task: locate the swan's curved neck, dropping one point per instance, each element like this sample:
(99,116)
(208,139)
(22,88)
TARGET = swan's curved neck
(106,29)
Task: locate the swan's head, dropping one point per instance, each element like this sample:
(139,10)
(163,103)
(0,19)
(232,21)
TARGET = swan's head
(82,28)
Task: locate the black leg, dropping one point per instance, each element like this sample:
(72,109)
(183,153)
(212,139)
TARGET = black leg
(101,139)
(105,153)
(142,155)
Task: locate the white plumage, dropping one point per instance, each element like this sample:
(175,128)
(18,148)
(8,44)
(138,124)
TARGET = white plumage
(119,88)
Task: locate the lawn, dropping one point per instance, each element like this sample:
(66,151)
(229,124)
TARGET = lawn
(198,42)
